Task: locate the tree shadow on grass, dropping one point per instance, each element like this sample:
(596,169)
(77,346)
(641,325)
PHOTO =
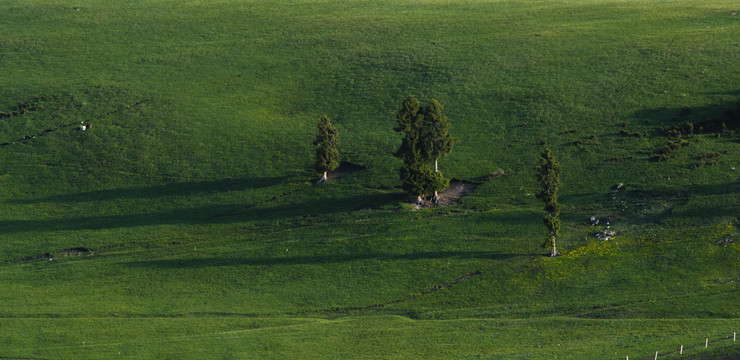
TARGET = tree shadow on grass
(730,92)
(668,192)
(319,259)
(153,192)
(215,214)
(671,200)
(710,118)
(695,215)
(648,192)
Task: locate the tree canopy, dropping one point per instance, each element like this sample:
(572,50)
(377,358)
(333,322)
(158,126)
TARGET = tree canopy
(425,140)
(437,140)
(327,147)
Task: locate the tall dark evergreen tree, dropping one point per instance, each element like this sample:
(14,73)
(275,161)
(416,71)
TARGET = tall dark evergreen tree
(414,173)
(437,142)
(409,121)
(327,147)
(548,175)
(425,139)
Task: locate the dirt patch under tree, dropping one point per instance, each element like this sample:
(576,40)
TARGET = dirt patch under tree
(456,191)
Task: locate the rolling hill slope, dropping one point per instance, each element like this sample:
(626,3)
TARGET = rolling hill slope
(184,223)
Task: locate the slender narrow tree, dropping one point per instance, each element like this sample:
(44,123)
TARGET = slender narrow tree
(437,142)
(327,147)
(548,175)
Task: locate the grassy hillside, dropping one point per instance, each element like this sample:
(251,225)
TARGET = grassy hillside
(183,222)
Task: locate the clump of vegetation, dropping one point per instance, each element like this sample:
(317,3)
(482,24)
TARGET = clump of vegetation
(668,148)
(686,128)
(625,132)
(719,124)
(620,158)
(659,157)
(20,109)
(709,159)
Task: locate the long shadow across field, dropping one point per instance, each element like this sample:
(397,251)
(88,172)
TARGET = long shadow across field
(321,259)
(654,192)
(676,196)
(214,214)
(710,118)
(153,192)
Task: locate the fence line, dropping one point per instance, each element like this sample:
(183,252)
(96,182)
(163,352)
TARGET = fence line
(731,338)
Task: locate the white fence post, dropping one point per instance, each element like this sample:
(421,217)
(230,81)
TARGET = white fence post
(706,345)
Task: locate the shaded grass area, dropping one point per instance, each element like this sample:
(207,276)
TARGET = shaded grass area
(313,265)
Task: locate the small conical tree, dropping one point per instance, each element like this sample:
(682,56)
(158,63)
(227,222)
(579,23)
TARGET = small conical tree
(327,147)
(437,141)
(548,175)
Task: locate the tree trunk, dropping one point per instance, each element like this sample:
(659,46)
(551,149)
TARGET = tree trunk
(436,168)
(419,201)
(323,178)
(436,197)
(554,251)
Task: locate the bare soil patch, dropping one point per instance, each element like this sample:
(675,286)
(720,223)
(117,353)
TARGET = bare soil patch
(456,191)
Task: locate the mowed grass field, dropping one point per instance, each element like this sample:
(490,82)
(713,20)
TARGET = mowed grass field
(184,223)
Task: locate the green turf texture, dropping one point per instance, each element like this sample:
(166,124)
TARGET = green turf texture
(193,186)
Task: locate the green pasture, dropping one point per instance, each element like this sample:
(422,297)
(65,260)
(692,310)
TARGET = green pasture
(184,222)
